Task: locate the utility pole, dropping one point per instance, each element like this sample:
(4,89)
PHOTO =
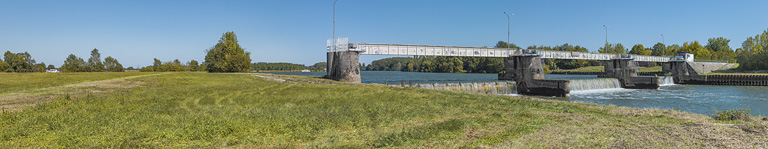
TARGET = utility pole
(333,45)
(505,13)
(665,45)
(606,38)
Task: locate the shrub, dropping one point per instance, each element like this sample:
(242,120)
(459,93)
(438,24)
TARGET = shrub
(729,115)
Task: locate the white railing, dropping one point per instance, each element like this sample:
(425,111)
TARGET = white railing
(342,44)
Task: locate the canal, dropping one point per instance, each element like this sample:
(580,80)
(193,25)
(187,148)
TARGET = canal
(702,99)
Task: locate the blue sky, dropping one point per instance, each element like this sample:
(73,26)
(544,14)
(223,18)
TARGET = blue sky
(295,31)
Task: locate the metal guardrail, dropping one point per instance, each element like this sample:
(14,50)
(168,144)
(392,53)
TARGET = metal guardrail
(342,44)
(426,50)
(710,61)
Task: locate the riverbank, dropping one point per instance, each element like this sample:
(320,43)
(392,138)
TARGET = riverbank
(262,110)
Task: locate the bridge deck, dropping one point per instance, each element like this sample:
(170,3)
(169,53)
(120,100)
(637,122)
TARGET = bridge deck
(425,50)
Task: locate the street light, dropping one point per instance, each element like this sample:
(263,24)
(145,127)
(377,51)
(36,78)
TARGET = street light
(329,59)
(334,25)
(665,45)
(505,13)
(606,38)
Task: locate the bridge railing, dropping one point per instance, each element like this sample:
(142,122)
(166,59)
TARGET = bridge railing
(397,49)
(426,50)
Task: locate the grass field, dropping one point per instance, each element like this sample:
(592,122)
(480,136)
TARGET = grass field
(189,110)
(602,68)
(19,82)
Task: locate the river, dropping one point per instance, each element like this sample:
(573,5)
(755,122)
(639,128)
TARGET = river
(702,99)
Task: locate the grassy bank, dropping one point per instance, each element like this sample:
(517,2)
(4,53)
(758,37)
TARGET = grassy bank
(260,110)
(17,82)
(602,68)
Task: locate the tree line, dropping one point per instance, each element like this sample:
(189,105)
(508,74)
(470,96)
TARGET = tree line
(452,64)
(225,56)
(263,66)
(94,63)
(753,55)
(173,66)
(20,62)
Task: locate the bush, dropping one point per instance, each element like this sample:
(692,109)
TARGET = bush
(729,115)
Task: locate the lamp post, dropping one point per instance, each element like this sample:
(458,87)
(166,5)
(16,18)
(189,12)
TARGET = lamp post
(505,13)
(334,25)
(606,38)
(329,56)
(665,45)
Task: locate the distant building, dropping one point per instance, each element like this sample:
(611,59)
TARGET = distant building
(683,56)
(52,71)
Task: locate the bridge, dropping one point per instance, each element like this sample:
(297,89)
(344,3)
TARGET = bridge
(426,50)
(524,66)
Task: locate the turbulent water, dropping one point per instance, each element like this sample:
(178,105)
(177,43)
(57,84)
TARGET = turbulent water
(594,84)
(666,81)
(703,99)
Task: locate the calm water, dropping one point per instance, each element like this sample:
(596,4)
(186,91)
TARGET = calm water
(692,98)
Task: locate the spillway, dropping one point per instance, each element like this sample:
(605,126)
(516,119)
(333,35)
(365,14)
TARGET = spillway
(594,84)
(666,81)
(490,87)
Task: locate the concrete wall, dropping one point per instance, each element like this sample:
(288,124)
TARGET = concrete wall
(522,68)
(545,87)
(644,83)
(703,67)
(620,68)
(528,74)
(345,66)
(626,72)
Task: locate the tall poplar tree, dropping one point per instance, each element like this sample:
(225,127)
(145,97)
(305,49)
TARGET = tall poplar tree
(94,63)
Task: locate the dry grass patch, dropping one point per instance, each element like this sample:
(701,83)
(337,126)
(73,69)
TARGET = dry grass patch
(19,100)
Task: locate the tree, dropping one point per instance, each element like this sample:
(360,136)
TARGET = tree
(752,55)
(720,48)
(112,65)
(718,44)
(73,64)
(51,67)
(94,63)
(699,51)
(502,44)
(228,56)
(659,49)
(147,69)
(673,49)
(3,66)
(640,50)
(692,47)
(613,49)
(38,67)
(19,62)
(156,64)
(193,65)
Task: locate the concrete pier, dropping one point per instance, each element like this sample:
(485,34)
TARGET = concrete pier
(344,66)
(528,74)
(624,69)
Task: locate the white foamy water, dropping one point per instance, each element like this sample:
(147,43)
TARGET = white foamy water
(666,81)
(488,87)
(594,84)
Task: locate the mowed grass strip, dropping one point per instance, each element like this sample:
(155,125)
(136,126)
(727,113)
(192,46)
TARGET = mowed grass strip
(19,82)
(189,110)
